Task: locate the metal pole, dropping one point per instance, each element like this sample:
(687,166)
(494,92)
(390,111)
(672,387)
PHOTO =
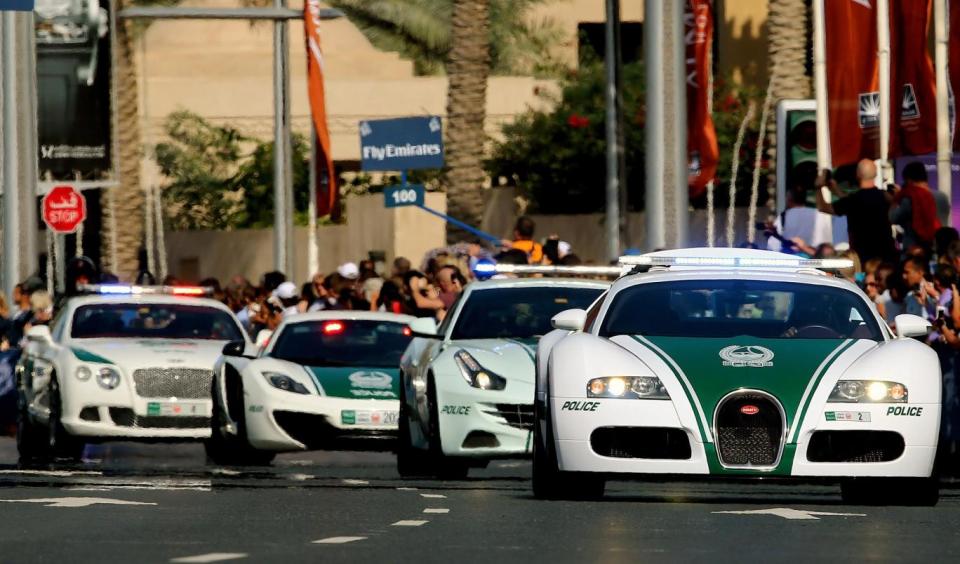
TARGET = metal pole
(820,85)
(612,221)
(944,151)
(279,146)
(11,165)
(313,251)
(29,174)
(681,170)
(653,54)
(883,54)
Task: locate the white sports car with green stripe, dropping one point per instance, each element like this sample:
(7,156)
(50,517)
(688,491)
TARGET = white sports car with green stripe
(739,363)
(467,388)
(325,380)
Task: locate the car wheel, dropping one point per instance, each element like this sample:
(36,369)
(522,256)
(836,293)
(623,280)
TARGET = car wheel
(441,466)
(548,481)
(33,445)
(921,492)
(62,445)
(411,461)
(224,449)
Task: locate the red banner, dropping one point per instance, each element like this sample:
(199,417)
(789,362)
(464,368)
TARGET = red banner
(702,150)
(853,96)
(913,84)
(327,193)
(954,7)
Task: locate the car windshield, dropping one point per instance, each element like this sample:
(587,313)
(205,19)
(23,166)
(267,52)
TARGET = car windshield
(730,308)
(361,343)
(154,321)
(518,312)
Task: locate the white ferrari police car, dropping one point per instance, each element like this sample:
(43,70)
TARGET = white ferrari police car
(324,380)
(467,389)
(728,362)
(130,362)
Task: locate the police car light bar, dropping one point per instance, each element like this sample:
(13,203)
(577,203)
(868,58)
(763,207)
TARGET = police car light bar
(559,270)
(737,262)
(134,290)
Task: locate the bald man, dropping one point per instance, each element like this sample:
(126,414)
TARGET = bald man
(867,211)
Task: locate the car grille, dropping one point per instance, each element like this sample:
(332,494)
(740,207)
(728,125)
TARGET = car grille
(657,443)
(518,415)
(185,383)
(855,446)
(749,429)
(125,417)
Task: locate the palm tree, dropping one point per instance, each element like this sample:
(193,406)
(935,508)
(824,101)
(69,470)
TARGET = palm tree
(126,202)
(468,68)
(789,31)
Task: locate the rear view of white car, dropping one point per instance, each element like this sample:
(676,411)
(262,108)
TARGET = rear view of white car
(129,363)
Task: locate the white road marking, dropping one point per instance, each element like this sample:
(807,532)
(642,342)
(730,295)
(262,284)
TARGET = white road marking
(75,501)
(434,496)
(338,540)
(355,482)
(409,523)
(436,510)
(225,472)
(301,477)
(53,473)
(210,557)
(402,489)
(793,514)
(510,464)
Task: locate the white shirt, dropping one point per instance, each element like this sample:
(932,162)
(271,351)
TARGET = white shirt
(812,226)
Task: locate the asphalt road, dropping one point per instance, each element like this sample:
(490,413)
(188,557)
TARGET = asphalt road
(162,503)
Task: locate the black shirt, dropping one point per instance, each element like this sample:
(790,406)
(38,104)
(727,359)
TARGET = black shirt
(868,223)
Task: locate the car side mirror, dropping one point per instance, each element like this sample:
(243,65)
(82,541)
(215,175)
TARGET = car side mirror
(235,348)
(570,320)
(425,327)
(911,326)
(40,334)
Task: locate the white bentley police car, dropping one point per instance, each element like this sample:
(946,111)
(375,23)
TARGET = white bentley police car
(325,380)
(467,389)
(740,363)
(130,362)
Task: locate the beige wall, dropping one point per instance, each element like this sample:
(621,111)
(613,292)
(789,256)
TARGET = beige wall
(407,231)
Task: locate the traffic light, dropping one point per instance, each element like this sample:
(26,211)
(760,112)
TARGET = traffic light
(796,148)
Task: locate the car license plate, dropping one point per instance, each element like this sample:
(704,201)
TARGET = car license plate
(372,418)
(858,416)
(178,408)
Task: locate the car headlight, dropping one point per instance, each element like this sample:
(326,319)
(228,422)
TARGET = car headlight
(108,377)
(868,391)
(285,383)
(476,375)
(83,373)
(628,387)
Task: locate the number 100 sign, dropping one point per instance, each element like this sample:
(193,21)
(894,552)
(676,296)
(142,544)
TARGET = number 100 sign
(397,196)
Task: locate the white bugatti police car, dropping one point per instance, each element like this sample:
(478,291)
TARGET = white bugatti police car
(325,380)
(129,363)
(737,363)
(467,388)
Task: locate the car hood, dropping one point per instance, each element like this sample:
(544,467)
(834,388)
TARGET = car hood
(511,358)
(147,353)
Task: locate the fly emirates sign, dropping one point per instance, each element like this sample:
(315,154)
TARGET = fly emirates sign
(401,144)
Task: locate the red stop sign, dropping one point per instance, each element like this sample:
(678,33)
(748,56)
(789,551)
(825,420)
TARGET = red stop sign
(64,209)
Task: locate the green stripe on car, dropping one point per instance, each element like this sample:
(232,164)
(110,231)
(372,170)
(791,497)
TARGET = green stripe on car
(87,356)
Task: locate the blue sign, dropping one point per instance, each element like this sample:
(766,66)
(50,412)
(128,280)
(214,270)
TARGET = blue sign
(16,5)
(409,195)
(401,144)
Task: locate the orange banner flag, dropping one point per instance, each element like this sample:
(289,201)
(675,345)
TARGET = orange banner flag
(702,151)
(327,193)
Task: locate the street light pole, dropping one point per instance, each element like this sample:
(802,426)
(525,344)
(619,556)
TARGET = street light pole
(653,55)
(282,218)
(11,165)
(611,58)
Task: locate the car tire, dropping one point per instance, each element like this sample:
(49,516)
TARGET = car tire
(411,461)
(918,492)
(441,466)
(224,449)
(548,481)
(62,445)
(33,444)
